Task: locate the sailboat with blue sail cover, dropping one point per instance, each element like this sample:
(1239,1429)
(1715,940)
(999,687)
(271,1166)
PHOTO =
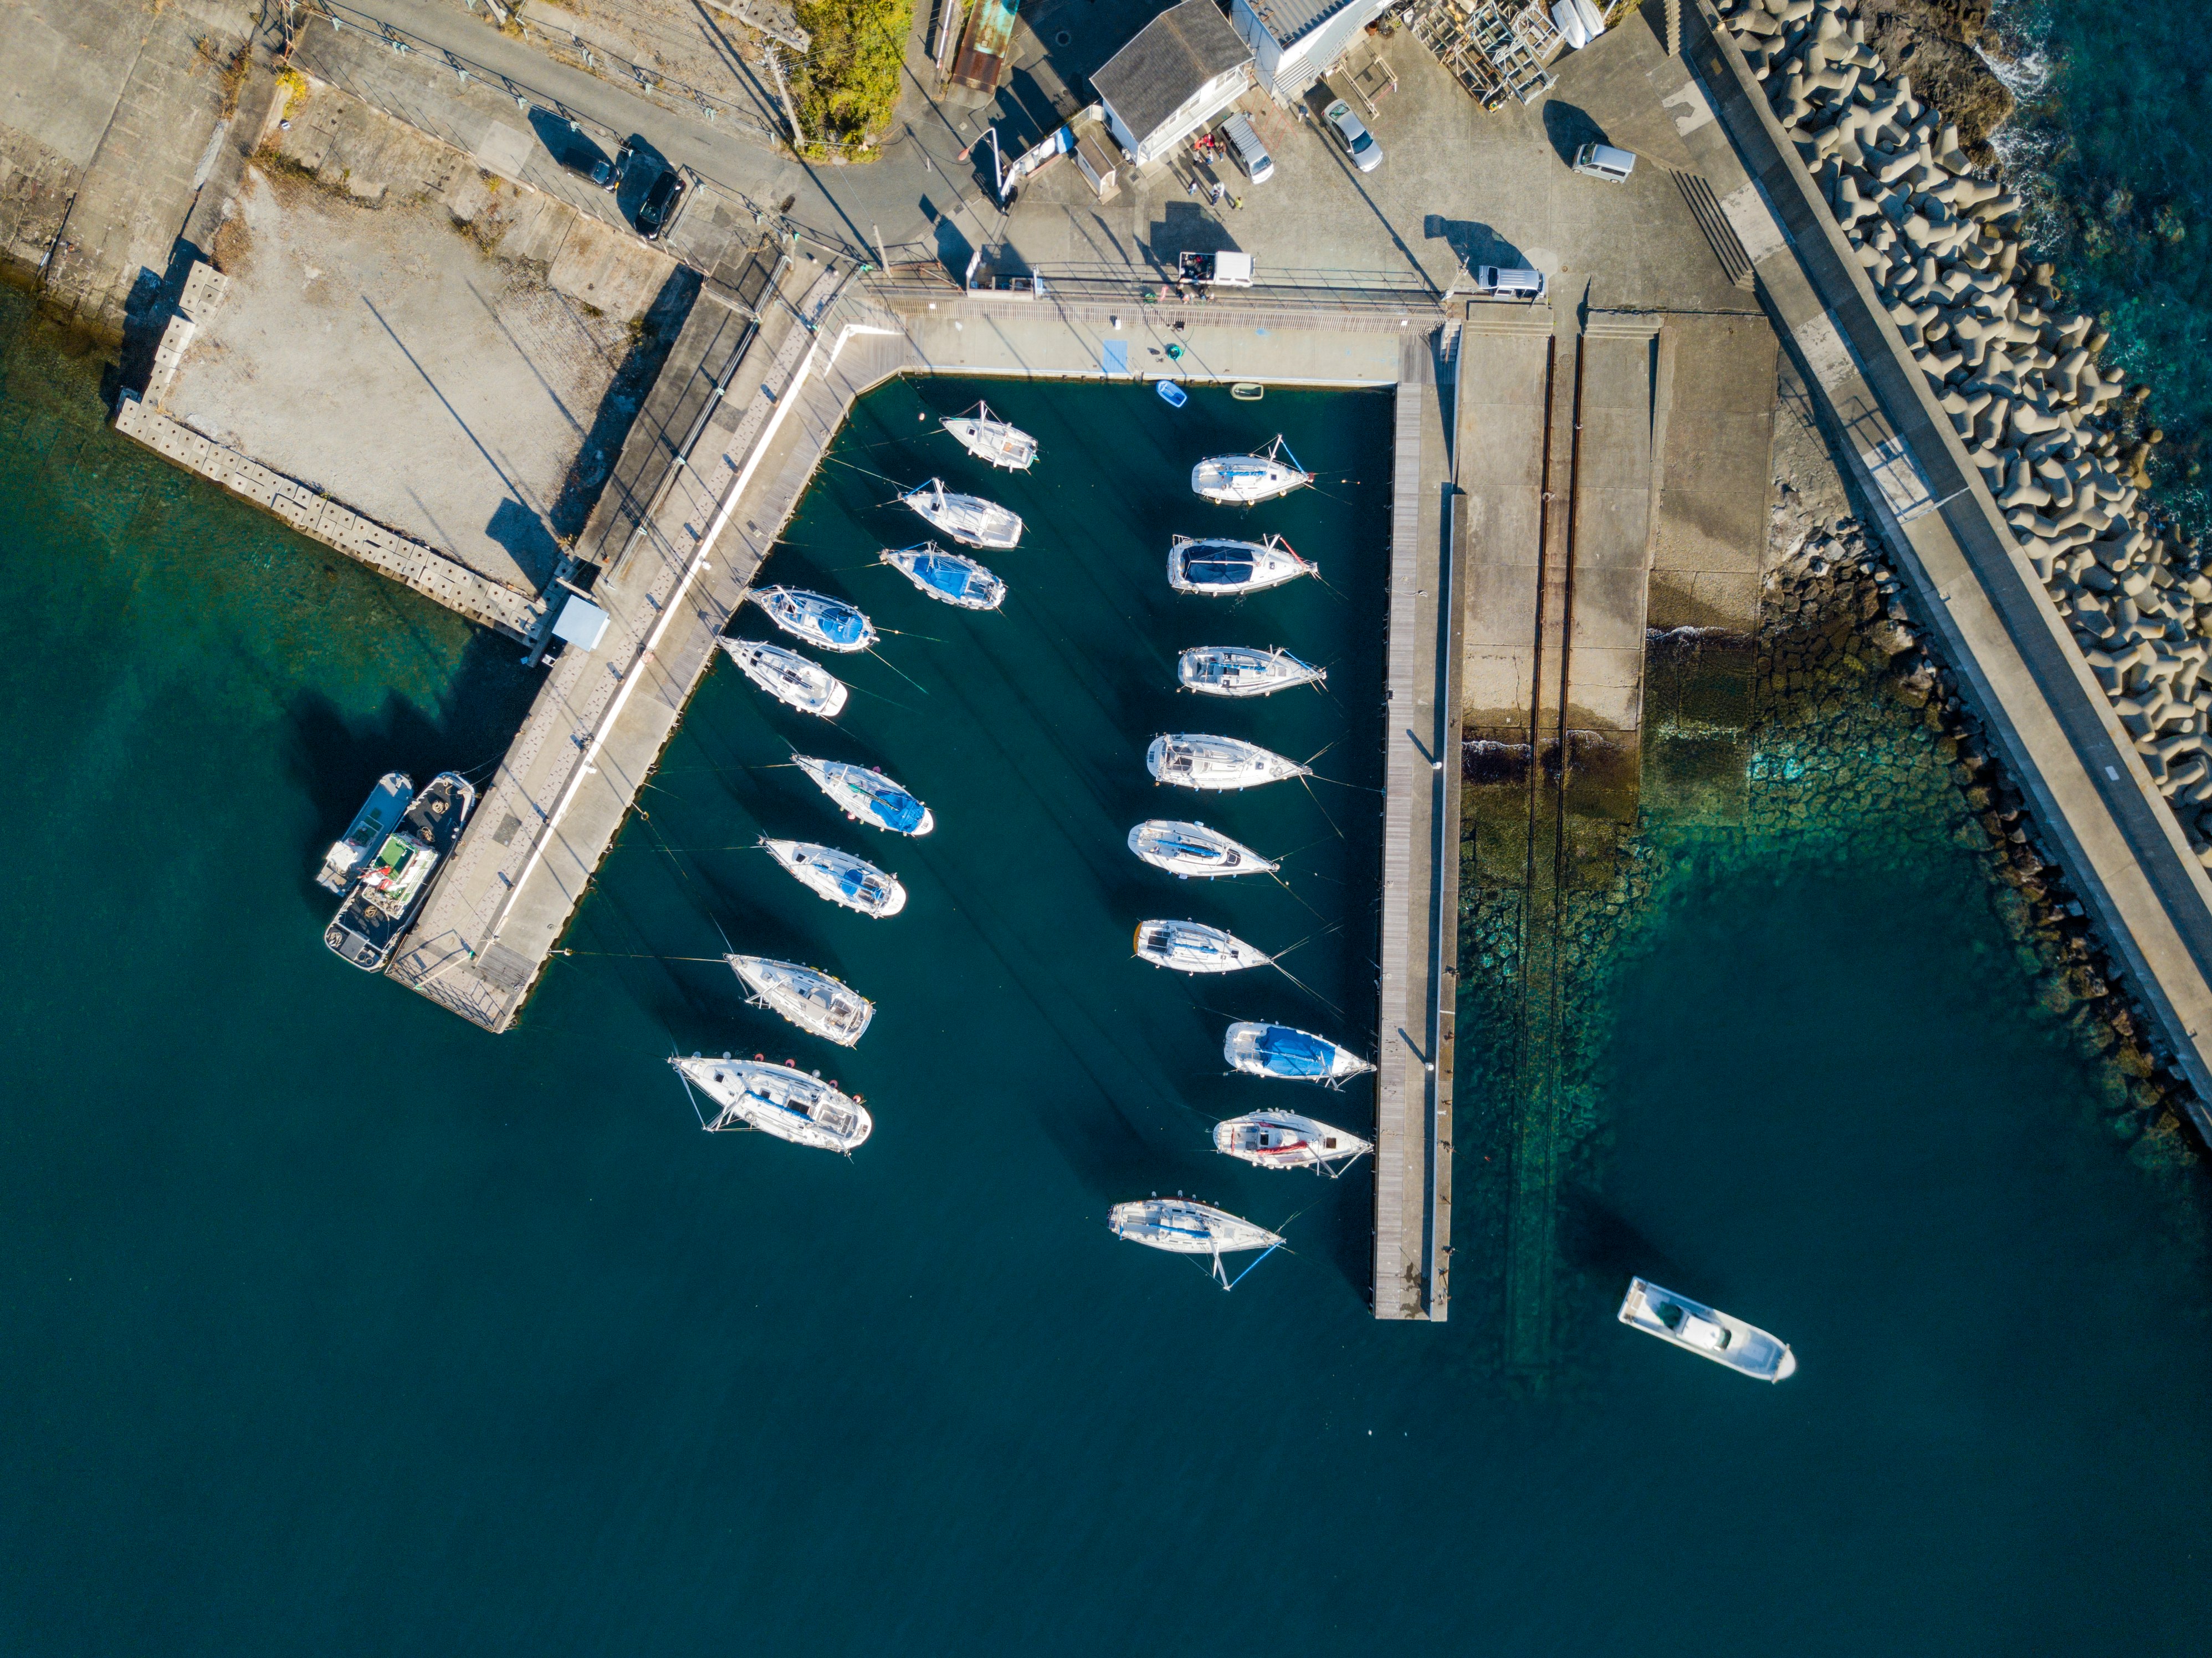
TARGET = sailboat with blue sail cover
(850,883)
(1277,1050)
(868,795)
(948,578)
(815,617)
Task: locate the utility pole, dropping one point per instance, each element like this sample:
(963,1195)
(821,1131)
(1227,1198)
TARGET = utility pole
(783,94)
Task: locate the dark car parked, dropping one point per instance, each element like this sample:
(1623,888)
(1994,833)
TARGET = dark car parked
(659,207)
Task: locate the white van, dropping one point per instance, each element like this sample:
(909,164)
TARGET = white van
(1509,284)
(1251,155)
(1604,161)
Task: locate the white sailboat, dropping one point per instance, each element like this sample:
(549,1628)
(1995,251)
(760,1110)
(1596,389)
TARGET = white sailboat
(811,1000)
(1277,1050)
(1235,671)
(850,883)
(1186,849)
(948,578)
(1182,1226)
(815,617)
(867,795)
(1242,480)
(788,676)
(1194,947)
(969,520)
(1696,1327)
(1219,569)
(780,1100)
(1190,760)
(1283,1140)
(987,437)
(390,797)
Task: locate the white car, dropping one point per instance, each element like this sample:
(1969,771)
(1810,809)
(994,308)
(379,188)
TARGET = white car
(1366,154)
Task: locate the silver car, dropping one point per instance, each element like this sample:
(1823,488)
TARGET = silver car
(1366,154)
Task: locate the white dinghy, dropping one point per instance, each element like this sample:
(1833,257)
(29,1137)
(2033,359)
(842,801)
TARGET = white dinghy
(868,795)
(1219,568)
(1686,1323)
(1182,1226)
(987,437)
(851,883)
(1242,480)
(812,1000)
(1235,671)
(1190,760)
(779,1100)
(1188,849)
(948,578)
(815,617)
(1277,1050)
(1283,1140)
(1194,947)
(788,676)
(969,520)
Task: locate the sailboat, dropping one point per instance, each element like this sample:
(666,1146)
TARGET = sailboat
(949,578)
(969,520)
(1218,567)
(1194,947)
(809,998)
(1242,480)
(868,795)
(987,437)
(815,617)
(1691,1324)
(788,676)
(851,883)
(1182,1226)
(1188,849)
(1277,1050)
(382,810)
(1190,760)
(1235,671)
(780,1100)
(1283,1139)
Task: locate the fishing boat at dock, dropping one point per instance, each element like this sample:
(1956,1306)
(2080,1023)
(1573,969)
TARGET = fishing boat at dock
(1221,568)
(815,617)
(1277,1050)
(780,1100)
(1182,1226)
(988,438)
(1283,1140)
(1186,849)
(788,676)
(376,818)
(390,890)
(868,795)
(1243,480)
(1191,760)
(1194,947)
(948,578)
(850,883)
(1236,670)
(809,998)
(969,519)
(1692,1325)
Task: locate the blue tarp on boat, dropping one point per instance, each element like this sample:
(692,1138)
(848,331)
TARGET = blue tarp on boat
(1209,566)
(895,808)
(950,576)
(840,624)
(1287,1053)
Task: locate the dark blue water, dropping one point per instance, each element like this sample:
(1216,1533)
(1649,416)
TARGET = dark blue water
(336,1326)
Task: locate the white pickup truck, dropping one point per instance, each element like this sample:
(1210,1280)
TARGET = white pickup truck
(1214,269)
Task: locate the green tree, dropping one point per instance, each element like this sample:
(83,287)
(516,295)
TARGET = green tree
(849,83)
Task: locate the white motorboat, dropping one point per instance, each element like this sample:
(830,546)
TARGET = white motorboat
(868,795)
(815,617)
(780,1100)
(1234,671)
(1691,1324)
(1194,947)
(809,998)
(1242,480)
(395,882)
(987,437)
(969,520)
(1190,760)
(949,578)
(1283,1139)
(379,813)
(788,676)
(1182,1226)
(1277,1050)
(851,883)
(1228,568)
(1188,849)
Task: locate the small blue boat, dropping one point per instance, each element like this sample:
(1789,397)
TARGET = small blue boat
(949,578)
(1171,394)
(815,617)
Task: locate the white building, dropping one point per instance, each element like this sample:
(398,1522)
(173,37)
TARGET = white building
(1295,42)
(1181,71)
